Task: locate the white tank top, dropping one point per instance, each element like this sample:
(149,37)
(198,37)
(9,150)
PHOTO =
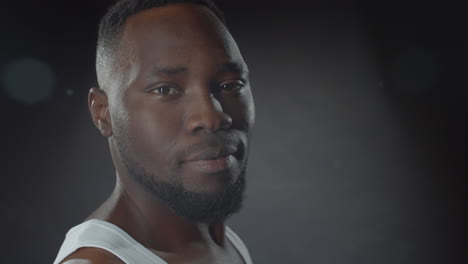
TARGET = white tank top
(107,236)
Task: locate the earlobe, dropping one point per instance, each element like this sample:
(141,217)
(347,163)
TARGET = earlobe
(105,128)
(99,109)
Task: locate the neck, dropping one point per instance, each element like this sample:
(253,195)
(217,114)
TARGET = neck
(152,224)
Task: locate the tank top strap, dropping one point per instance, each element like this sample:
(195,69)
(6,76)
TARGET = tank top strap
(104,235)
(239,245)
(100,234)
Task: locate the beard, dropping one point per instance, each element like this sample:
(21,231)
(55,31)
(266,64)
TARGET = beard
(197,207)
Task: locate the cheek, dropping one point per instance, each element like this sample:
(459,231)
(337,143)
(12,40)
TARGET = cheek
(250,105)
(241,109)
(153,131)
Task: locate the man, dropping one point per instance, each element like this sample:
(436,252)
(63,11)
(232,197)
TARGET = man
(175,104)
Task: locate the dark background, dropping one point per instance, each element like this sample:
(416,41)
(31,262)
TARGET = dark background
(360,147)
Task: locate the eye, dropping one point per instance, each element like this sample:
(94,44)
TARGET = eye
(165,90)
(232,86)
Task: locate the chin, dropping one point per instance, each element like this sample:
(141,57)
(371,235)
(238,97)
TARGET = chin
(211,183)
(206,201)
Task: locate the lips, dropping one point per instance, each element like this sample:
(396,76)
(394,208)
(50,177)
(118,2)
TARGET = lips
(211,160)
(211,154)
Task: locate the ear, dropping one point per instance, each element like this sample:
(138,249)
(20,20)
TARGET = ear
(99,109)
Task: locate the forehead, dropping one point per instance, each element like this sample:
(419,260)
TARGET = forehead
(177,33)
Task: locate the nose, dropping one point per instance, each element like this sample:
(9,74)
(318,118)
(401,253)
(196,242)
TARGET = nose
(206,113)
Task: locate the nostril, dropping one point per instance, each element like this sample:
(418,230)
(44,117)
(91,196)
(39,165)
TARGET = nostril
(227,123)
(211,121)
(206,113)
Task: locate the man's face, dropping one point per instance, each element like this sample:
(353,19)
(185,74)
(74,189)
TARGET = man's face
(182,118)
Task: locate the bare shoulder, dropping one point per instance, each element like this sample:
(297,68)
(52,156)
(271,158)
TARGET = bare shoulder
(88,255)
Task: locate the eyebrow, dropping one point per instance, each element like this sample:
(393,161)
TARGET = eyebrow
(233,67)
(222,68)
(166,70)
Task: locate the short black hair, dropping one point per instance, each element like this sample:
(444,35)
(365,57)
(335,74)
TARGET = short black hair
(111,24)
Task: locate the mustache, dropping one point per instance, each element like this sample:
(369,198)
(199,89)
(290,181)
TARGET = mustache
(226,141)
